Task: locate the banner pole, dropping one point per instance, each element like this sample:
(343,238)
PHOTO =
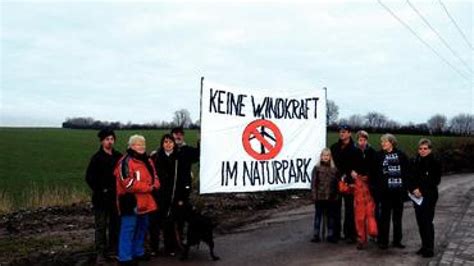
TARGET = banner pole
(326,117)
(200,109)
(326,99)
(200,126)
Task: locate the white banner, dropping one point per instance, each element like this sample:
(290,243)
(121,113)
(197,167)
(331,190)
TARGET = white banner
(257,140)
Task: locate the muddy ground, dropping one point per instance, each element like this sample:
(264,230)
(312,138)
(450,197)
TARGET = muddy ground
(64,235)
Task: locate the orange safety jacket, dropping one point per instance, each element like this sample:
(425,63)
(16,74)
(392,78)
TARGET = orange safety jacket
(135,184)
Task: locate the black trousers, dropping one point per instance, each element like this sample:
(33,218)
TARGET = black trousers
(424,218)
(349,219)
(160,222)
(391,207)
(107,226)
(349,224)
(377,212)
(337,219)
(154,230)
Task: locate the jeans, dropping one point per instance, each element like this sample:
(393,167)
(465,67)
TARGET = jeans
(324,209)
(132,236)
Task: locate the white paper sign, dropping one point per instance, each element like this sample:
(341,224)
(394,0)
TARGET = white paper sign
(416,200)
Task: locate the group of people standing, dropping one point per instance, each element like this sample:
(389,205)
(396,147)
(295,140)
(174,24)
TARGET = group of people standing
(136,194)
(373,186)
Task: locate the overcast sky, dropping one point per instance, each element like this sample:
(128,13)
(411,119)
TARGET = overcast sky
(139,62)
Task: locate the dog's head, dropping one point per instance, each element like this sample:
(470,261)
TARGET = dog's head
(192,215)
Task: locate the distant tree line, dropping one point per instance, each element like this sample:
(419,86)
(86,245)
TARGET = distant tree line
(438,124)
(181,118)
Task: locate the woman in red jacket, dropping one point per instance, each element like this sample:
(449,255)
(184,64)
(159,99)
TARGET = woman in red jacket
(136,179)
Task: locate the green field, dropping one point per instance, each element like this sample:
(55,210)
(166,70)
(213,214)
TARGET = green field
(54,160)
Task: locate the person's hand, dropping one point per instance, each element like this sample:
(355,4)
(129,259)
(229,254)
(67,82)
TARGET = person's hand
(417,193)
(351,185)
(180,203)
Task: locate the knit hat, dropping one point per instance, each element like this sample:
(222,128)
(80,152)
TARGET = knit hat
(105,132)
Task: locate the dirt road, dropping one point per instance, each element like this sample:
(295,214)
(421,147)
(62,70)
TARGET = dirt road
(283,239)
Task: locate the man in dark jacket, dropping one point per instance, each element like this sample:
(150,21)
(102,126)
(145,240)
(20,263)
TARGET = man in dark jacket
(166,165)
(346,157)
(423,182)
(187,156)
(100,178)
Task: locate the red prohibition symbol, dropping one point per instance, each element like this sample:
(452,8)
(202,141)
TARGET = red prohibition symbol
(258,130)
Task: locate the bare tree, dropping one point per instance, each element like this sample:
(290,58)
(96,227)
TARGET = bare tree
(437,123)
(332,112)
(392,124)
(356,121)
(422,127)
(462,124)
(182,118)
(375,120)
(343,121)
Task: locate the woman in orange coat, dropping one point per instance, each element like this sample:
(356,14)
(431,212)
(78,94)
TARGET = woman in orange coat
(136,179)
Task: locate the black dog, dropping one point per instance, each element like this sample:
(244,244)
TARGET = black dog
(199,229)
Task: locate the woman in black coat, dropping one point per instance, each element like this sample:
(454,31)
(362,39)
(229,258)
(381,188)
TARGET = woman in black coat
(166,164)
(423,182)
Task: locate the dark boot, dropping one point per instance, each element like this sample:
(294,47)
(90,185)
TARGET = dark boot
(398,245)
(316,239)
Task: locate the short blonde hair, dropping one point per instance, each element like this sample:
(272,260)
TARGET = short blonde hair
(135,138)
(390,138)
(362,134)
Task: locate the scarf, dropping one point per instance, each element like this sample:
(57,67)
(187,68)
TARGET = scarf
(143,158)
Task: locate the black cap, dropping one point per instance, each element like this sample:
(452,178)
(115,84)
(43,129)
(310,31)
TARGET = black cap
(345,127)
(177,130)
(105,132)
